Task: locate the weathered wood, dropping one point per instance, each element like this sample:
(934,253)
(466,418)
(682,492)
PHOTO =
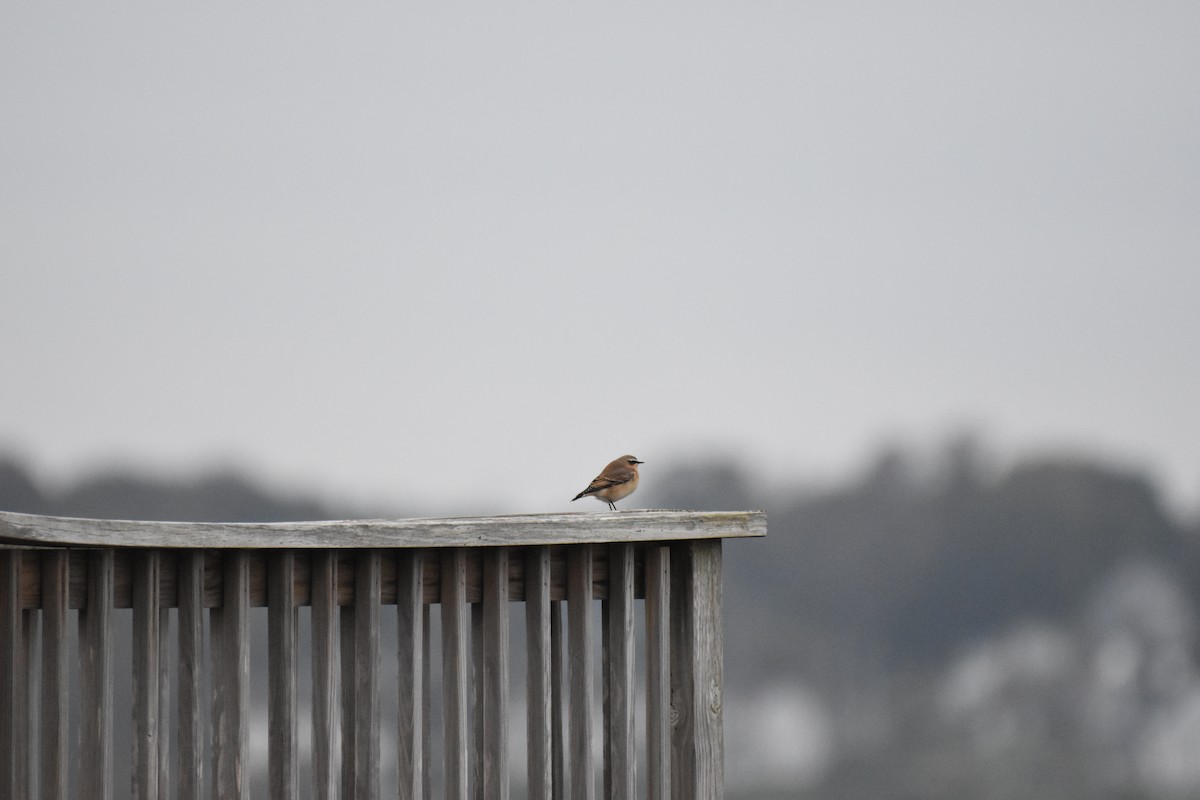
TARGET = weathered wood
(411,723)
(561,768)
(697,741)
(55,675)
(454,673)
(579,657)
(366,676)
(147,718)
(164,695)
(538,675)
(347,616)
(30,710)
(426,702)
(326,677)
(679,579)
(605,699)
(495,675)
(191,675)
(658,672)
(501,531)
(31,596)
(229,626)
(96,696)
(282,725)
(621,749)
(10,668)
(476,687)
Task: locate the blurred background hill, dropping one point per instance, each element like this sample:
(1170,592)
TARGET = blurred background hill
(933,627)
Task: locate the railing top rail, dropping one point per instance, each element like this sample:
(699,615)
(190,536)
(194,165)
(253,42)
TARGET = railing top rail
(512,530)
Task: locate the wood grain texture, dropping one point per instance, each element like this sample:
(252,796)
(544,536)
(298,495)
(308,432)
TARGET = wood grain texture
(231,678)
(10,667)
(454,674)
(29,710)
(495,675)
(538,671)
(498,531)
(582,670)
(681,580)
(621,766)
(697,740)
(326,678)
(96,677)
(410,726)
(427,703)
(658,672)
(561,769)
(55,675)
(164,701)
(191,675)
(475,682)
(147,672)
(347,615)
(171,561)
(282,726)
(366,676)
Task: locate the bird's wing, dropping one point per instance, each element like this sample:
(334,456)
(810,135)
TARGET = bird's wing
(614,478)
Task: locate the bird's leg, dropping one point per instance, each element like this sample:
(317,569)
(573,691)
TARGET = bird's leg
(612,506)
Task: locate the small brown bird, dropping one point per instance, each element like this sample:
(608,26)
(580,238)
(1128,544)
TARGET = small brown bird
(618,480)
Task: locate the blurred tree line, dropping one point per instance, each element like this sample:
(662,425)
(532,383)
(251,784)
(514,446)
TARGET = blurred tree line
(920,554)
(904,563)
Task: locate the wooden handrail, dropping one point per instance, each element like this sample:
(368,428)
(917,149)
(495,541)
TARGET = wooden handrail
(498,531)
(469,569)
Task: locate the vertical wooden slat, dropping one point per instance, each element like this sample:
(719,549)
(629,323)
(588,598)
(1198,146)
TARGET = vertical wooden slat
(347,615)
(658,672)
(495,674)
(191,674)
(282,734)
(476,688)
(164,698)
(605,699)
(410,727)
(682,688)
(10,667)
(538,675)
(231,677)
(147,719)
(708,661)
(426,703)
(561,768)
(367,578)
(326,718)
(55,673)
(96,696)
(30,710)
(454,671)
(697,740)
(579,658)
(619,666)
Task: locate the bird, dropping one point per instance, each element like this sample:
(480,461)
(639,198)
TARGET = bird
(619,479)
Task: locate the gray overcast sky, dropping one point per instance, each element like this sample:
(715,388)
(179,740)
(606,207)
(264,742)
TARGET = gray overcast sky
(462,255)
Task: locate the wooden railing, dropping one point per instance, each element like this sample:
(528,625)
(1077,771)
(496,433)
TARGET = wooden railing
(64,583)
